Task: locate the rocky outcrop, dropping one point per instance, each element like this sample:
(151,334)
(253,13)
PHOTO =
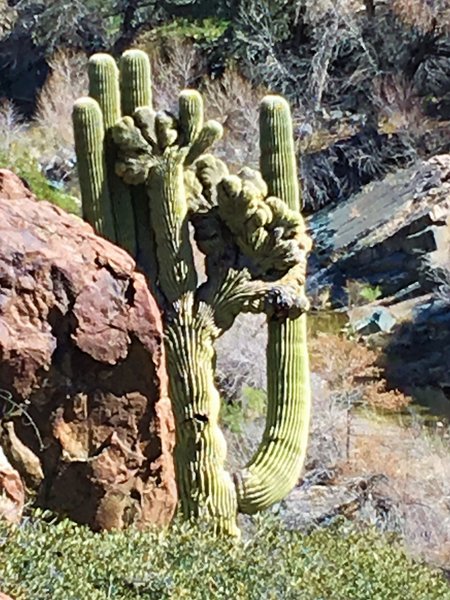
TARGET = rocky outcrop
(336,173)
(417,355)
(88,423)
(395,237)
(392,234)
(12,493)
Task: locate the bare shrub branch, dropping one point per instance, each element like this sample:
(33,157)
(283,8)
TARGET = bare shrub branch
(67,82)
(176,66)
(234,101)
(12,128)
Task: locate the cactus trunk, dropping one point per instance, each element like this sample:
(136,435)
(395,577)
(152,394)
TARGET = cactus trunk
(206,490)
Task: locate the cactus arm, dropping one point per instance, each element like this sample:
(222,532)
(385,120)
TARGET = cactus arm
(89,140)
(191,114)
(136,91)
(135,81)
(275,468)
(104,88)
(278,162)
(209,134)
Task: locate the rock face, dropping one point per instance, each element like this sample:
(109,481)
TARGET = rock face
(338,172)
(12,493)
(391,234)
(89,424)
(418,355)
(395,235)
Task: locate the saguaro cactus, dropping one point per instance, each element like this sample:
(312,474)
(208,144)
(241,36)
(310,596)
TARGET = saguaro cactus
(250,229)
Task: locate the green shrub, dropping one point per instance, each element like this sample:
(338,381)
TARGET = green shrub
(28,169)
(206,30)
(252,405)
(44,559)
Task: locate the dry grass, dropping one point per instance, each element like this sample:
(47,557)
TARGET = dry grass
(12,129)
(398,104)
(53,119)
(330,429)
(8,16)
(414,458)
(353,372)
(234,102)
(416,463)
(241,356)
(175,67)
(423,14)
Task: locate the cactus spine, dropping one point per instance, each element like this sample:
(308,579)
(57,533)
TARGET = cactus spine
(252,235)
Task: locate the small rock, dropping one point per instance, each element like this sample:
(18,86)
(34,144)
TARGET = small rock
(12,494)
(336,115)
(380,320)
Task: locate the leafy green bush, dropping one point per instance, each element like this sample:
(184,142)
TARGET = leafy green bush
(28,169)
(44,559)
(205,30)
(252,405)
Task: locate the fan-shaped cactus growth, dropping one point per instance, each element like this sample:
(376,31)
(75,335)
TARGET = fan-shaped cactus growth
(253,237)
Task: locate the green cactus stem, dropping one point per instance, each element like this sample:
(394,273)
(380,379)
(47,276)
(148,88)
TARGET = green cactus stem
(136,91)
(89,141)
(135,81)
(191,115)
(206,490)
(104,88)
(276,466)
(253,237)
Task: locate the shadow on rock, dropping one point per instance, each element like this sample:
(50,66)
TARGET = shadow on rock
(417,357)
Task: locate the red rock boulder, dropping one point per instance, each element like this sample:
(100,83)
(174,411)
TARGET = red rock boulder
(88,424)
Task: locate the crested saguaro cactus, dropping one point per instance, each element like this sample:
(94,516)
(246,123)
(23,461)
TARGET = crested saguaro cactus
(249,228)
